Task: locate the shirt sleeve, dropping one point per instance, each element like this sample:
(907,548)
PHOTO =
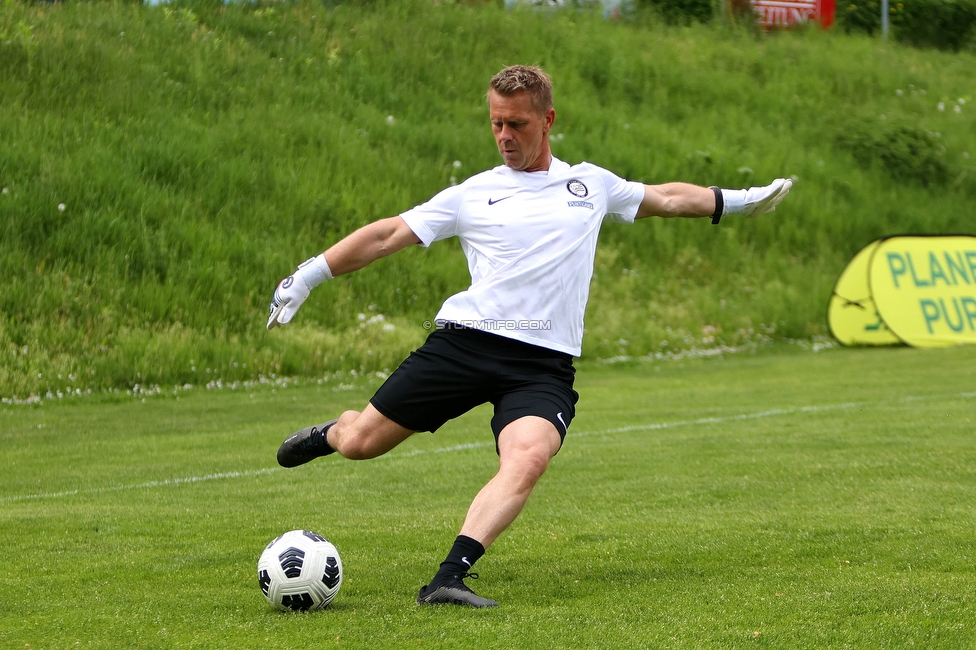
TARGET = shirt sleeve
(623,197)
(437,218)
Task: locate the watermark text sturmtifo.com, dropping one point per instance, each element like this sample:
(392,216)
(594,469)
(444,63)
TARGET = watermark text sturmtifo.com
(491,324)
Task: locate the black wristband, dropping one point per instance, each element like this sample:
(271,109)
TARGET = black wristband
(719,205)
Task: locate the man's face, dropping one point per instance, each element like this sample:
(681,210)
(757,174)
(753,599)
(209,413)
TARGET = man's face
(521,133)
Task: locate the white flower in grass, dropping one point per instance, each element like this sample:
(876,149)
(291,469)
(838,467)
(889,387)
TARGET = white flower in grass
(941,106)
(957,109)
(390,119)
(457,164)
(61,207)
(6,191)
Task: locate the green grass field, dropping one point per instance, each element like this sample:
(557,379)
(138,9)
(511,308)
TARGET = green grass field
(785,499)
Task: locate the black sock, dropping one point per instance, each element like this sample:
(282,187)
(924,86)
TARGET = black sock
(329,449)
(463,555)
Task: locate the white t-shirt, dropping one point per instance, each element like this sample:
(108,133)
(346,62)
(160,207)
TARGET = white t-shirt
(530,240)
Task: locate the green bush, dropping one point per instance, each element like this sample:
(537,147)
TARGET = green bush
(682,12)
(863,16)
(907,152)
(944,24)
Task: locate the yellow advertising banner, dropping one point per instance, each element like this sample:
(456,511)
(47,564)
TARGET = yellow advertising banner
(852,316)
(924,288)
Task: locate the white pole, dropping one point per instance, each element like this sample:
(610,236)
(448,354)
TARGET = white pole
(884,19)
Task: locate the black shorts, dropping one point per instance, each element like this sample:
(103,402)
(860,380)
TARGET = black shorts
(459,368)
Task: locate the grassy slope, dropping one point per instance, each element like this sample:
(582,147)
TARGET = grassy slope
(200,153)
(821,501)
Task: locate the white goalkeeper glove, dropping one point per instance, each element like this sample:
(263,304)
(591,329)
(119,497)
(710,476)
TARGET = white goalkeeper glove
(751,202)
(293,290)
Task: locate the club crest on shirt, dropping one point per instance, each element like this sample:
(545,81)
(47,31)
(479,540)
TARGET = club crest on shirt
(576,188)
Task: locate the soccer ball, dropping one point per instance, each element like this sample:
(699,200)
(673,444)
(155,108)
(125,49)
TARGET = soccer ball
(299,571)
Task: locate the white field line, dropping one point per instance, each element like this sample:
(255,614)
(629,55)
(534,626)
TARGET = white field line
(473,445)
(719,420)
(148,484)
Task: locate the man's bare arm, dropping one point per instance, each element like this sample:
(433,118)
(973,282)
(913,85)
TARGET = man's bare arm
(368,244)
(676,200)
(686,200)
(353,252)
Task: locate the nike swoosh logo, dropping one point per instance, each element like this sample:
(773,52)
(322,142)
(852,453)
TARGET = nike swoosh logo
(465,560)
(490,202)
(560,416)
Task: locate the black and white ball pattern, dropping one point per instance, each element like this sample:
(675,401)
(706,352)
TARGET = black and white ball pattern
(300,571)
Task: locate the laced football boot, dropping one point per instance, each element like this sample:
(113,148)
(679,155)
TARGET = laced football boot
(453,591)
(305,445)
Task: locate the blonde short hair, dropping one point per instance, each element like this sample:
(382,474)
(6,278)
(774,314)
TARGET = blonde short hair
(527,78)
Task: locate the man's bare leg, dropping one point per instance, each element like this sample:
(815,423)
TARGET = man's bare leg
(355,435)
(367,434)
(524,449)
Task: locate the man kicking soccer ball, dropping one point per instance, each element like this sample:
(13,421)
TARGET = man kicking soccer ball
(529,231)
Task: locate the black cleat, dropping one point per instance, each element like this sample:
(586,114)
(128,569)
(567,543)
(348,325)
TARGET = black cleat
(453,592)
(305,445)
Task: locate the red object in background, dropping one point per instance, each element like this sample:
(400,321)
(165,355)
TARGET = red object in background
(780,14)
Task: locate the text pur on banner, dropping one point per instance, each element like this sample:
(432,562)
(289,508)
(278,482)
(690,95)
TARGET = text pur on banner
(925,288)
